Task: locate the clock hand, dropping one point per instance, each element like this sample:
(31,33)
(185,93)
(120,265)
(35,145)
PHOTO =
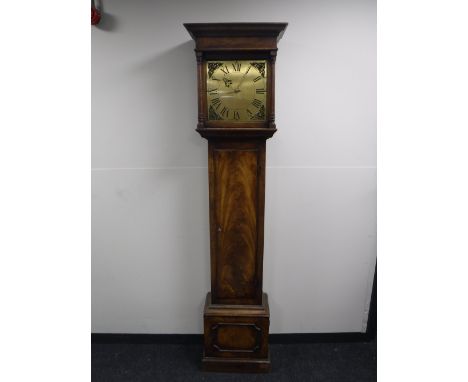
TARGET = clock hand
(226,92)
(242,80)
(239,84)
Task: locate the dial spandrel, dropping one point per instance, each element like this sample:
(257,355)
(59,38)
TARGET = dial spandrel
(236,90)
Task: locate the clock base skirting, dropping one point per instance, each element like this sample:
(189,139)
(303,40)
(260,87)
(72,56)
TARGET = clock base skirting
(236,337)
(236,365)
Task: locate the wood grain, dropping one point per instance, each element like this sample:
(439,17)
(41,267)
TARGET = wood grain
(236,214)
(236,221)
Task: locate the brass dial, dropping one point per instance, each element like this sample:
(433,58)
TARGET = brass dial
(236,90)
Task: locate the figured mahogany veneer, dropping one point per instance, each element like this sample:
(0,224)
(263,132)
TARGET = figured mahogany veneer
(236,316)
(236,172)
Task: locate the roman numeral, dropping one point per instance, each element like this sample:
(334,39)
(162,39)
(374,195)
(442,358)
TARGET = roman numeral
(225,112)
(225,70)
(215,79)
(216,102)
(237,66)
(257,78)
(248,111)
(257,103)
(260,91)
(236,115)
(212,91)
(247,70)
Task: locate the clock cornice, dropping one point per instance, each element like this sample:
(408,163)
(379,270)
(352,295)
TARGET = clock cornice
(236,37)
(264,29)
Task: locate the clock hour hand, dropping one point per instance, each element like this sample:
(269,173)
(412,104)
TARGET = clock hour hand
(225,92)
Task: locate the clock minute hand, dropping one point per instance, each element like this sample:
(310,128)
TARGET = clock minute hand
(242,80)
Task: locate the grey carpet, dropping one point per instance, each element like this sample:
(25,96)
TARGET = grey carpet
(317,362)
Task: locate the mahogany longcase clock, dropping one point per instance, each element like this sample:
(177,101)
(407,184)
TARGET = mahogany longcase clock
(236,114)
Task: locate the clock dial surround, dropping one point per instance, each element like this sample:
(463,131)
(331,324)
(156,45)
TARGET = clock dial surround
(236,90)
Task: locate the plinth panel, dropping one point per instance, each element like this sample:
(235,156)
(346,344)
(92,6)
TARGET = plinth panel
(236,337)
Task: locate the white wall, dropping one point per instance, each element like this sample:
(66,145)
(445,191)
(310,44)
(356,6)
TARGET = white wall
(150,243)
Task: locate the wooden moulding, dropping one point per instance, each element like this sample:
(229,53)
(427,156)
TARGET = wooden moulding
(200,30)
(248,132)
(234,37)
(238,365)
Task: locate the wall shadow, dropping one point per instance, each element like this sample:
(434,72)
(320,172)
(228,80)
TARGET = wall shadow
(171,86)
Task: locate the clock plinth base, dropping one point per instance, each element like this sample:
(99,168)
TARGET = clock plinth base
(236,365)
(236,337)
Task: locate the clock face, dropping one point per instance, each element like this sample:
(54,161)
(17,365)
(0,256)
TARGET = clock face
(236,90)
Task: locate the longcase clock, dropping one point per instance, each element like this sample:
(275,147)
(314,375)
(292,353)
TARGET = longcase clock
(236,114)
